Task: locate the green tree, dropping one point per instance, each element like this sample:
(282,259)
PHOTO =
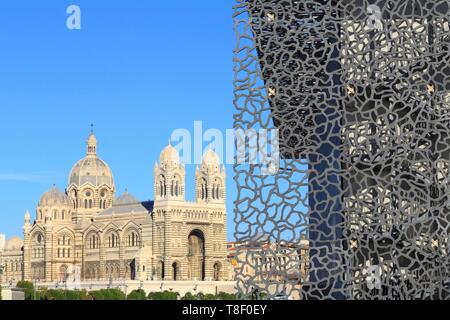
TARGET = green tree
(138,294)
(58,294)
(209,296)
(107,294)
(225,296)
(165,295)
(189,296)
(28,288)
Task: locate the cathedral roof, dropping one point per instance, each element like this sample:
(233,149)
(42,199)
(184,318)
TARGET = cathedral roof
(54,197)
(135,208)
(126,198)
(169,155)
(91,169)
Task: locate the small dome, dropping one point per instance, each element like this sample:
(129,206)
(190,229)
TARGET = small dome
(92,139)
(91,170)
(211,159)
(169,155)
(126,198)
(54,197)
(13,244)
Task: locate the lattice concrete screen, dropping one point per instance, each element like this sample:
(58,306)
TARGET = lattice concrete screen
(359,206)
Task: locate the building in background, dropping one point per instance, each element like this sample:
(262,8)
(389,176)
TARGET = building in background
(86,233)
(11,260)
(277,263)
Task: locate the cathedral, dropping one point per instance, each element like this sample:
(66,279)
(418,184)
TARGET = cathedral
(87,233)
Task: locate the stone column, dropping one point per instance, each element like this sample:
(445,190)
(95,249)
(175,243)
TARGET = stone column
(26,254)
(121,258)
(101,272)
(48,260)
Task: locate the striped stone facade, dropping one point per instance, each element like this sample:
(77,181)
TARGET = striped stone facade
(87,234)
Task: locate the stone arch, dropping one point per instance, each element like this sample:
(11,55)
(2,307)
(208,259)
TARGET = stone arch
(203,189)
(216,192)
(162,186)
(88,196)
(176,270)
(37,244)
(176,189)
(131,236)
(92,240)
(196,254)
(63,273)
(111,238)
(65,243)
(104,195)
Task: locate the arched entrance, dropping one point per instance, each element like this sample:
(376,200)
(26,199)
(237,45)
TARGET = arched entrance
(196,255)
(63,273)
(133,269)
(176,271)
(217,271)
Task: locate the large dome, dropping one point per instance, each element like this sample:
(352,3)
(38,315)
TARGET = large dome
(211,159)
(91,169)
(169,155)
(54,197)
(14,244)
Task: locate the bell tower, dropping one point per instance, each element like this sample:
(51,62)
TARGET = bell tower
(169,176)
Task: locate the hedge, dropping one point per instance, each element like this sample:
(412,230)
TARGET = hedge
(107,294)
(138,294)
(165,295)
(28,289)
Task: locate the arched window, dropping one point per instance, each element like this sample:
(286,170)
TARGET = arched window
(85,204)
(64,246)
(113,240)
(93,242)
(162,185)
(133,239)
(90,203)
(204,189)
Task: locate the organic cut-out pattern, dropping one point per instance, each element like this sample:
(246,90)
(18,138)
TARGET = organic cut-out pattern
(360,94)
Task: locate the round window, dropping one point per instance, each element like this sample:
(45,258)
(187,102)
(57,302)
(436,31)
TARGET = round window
(88,193)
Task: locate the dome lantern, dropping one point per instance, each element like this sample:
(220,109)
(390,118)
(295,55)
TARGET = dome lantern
(91,144)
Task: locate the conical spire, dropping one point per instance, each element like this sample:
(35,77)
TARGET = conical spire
(27,217)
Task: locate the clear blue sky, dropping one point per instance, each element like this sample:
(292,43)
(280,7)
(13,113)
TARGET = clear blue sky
(137,70)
